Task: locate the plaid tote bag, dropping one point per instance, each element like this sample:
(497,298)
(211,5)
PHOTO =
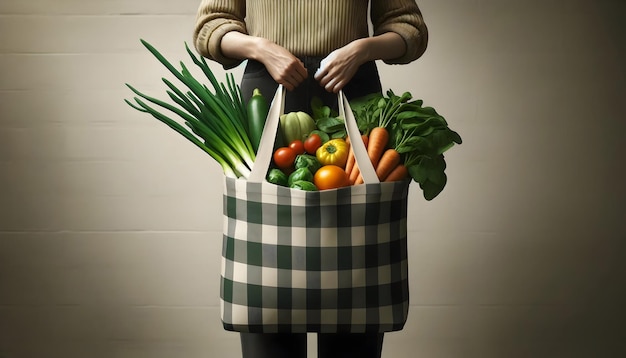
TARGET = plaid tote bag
(326,261)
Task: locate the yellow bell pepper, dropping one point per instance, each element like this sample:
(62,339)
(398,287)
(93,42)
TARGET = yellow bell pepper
(334,152)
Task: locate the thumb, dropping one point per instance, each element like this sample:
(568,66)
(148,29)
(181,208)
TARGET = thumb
(321,71)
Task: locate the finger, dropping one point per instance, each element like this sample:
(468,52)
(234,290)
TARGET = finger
(327,78)
(287,83)
(330,84)
(297,71)
(324,81)
(320,74)
(288,86)
(302,71)
(298,77)
(293,81)
(339,86)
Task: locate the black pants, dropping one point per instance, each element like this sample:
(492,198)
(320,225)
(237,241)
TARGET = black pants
(256,345)
(358,345)
(364,82)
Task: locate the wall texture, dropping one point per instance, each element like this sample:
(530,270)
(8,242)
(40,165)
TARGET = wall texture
(110,224)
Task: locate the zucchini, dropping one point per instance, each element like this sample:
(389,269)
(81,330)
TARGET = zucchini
(257,114)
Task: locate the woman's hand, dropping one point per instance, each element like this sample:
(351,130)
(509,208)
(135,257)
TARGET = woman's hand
(285,68)
(338,68)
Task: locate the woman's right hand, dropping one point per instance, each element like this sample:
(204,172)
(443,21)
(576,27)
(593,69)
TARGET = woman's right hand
(285,68)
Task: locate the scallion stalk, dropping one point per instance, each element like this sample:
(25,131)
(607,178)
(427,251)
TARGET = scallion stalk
(217,119)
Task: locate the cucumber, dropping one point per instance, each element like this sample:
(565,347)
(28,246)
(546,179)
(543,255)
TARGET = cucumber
(257,114)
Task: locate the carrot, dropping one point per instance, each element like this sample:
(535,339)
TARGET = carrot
(388,162)
(359,179)
(376,143)
(400,172)
(354,171)
(365,139)
(378,138)
(350,161)
(354,174)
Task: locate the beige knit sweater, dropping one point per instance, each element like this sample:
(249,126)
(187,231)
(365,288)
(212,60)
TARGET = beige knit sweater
(308,27)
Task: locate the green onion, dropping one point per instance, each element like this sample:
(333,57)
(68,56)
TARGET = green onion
(215,119)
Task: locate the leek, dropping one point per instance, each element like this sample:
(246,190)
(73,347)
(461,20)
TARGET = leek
(215,119)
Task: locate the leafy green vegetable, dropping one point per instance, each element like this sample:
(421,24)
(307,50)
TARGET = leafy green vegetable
(318,108)
(307,161)
(300,174)
(327,121)
(418,133)
(303,185)
(330,124)
(276,176)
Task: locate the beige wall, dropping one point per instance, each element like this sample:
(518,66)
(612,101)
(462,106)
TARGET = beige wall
(110,224)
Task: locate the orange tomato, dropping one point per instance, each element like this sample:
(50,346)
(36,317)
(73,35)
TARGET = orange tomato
(330,177)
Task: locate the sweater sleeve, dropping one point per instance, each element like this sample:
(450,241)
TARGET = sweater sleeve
(214,19)
(404,18)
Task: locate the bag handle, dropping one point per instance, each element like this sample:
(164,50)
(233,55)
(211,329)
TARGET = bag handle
(356,143)
(266,145)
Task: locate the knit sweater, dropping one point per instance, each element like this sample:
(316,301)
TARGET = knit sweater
(308,27)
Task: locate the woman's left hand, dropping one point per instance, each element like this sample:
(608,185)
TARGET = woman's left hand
(338,68)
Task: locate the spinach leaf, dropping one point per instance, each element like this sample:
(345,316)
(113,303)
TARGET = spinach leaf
(330,124)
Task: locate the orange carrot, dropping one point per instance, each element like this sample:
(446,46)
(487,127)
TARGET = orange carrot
(388,162)
(378,138)
(350,161)
(399,173)
(359,179)
(354,172)
(365,139)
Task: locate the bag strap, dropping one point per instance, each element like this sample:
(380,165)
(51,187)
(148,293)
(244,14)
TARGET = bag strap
(266,145)
(356,143)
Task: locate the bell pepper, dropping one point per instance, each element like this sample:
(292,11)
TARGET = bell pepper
(334,152)
(296,125)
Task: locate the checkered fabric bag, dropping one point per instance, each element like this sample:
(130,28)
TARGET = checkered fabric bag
(325,261)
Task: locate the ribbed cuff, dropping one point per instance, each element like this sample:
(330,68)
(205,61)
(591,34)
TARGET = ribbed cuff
(415,41)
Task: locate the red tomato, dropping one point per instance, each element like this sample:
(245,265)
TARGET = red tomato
(297,146)
(313,142)
(284,157)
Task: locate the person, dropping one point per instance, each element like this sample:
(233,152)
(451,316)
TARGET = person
(312,48)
